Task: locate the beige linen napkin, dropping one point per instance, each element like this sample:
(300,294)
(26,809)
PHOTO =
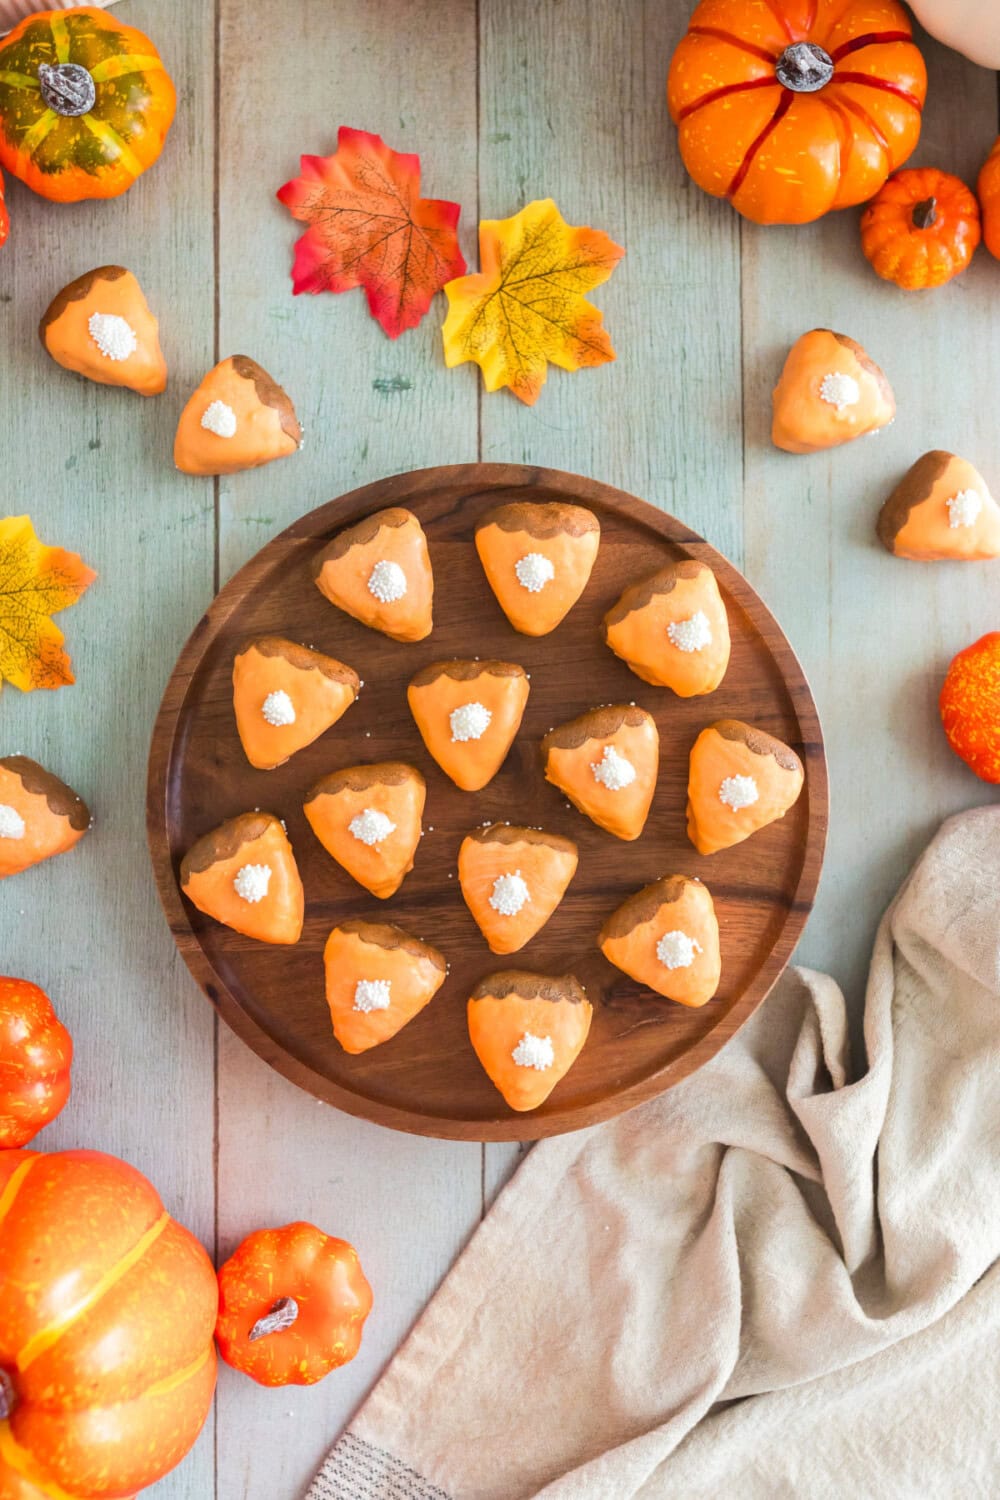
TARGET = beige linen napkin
(773,1281)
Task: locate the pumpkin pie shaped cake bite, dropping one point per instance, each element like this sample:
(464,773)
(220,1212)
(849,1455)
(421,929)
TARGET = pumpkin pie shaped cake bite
(537,558)
(941,509)
(513,879)
(238,418)
(468,713)
(667,938)
(829,393)
(606,761)
(527,1031)
(378,978)
(672,629)
(285,696)
(740,780)
(379,572)
(244,875)
(100,326)
(368,818)
(39,815)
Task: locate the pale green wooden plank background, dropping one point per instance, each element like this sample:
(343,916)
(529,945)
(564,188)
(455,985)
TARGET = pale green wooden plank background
(505,100)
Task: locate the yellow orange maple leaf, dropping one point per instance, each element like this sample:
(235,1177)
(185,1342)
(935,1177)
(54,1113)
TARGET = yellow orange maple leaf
(526,308)
(35,582)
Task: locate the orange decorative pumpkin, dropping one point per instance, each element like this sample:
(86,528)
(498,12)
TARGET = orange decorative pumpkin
(107,1306)
(921,229)
(970,706)
(292,1304)
(4,215)
(35,1055)
(85,104)
(988,188)
(792,107)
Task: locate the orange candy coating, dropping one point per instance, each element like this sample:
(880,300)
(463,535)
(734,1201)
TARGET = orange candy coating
(970,706)
(505,1008)
(66,333)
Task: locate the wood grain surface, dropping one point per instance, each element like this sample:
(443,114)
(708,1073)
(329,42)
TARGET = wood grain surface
(427,1079)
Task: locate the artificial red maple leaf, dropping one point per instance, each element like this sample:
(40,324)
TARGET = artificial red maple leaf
(369,226)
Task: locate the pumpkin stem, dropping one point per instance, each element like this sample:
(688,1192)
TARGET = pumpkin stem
(924,213)
(804,68)
(8,1397)
(67,88)
(282,1316)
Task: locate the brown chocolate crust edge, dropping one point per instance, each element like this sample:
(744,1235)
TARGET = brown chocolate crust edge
(225,841)
(61,799)
(515,833)
(361,533)
(759,742)
(304,659)
(388,935)
(541,518)
(460,670)
(643,905)
(530,987)
(912,489)
(596,724)
(664,581)
(270,393)
(360,778)
(75,292)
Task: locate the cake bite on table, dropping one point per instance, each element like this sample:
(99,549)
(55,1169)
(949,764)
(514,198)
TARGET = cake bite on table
(606,761)
(40,816)
(468,713)
(100,326)
(527,1031)
(368,818)
(941,509)
(244,875)
(238,418)
(538,557)
(829,393)
(379,572)
(378,977)
(512,879)
(740,779)
(672,629)
(285,696)
(666,937)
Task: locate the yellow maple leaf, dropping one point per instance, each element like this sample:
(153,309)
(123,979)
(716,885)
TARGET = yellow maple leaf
(526,308)
(35,582)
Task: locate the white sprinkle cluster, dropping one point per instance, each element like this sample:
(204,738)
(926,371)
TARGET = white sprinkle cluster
(613,770)
(534,1052)
(251,883)
(738,791)
(839,390)
(964,508)
(387,582)
(534,571)
(372,994)
(676,950)
(220,419)
(113,336)
(692,634)
(510,893)
(469,722)
(371,826)
(278,709)
(11,822)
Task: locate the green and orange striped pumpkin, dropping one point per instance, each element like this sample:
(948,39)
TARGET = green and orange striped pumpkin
(107,1307)
(85,104)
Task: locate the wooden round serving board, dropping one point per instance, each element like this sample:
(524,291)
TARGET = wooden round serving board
(427,1079)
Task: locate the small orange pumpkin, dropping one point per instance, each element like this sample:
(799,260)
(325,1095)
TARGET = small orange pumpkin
(292,1304)
(85,104)
(988,188)
(35,1055)
(794,107)
(4,215)
(921,229)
